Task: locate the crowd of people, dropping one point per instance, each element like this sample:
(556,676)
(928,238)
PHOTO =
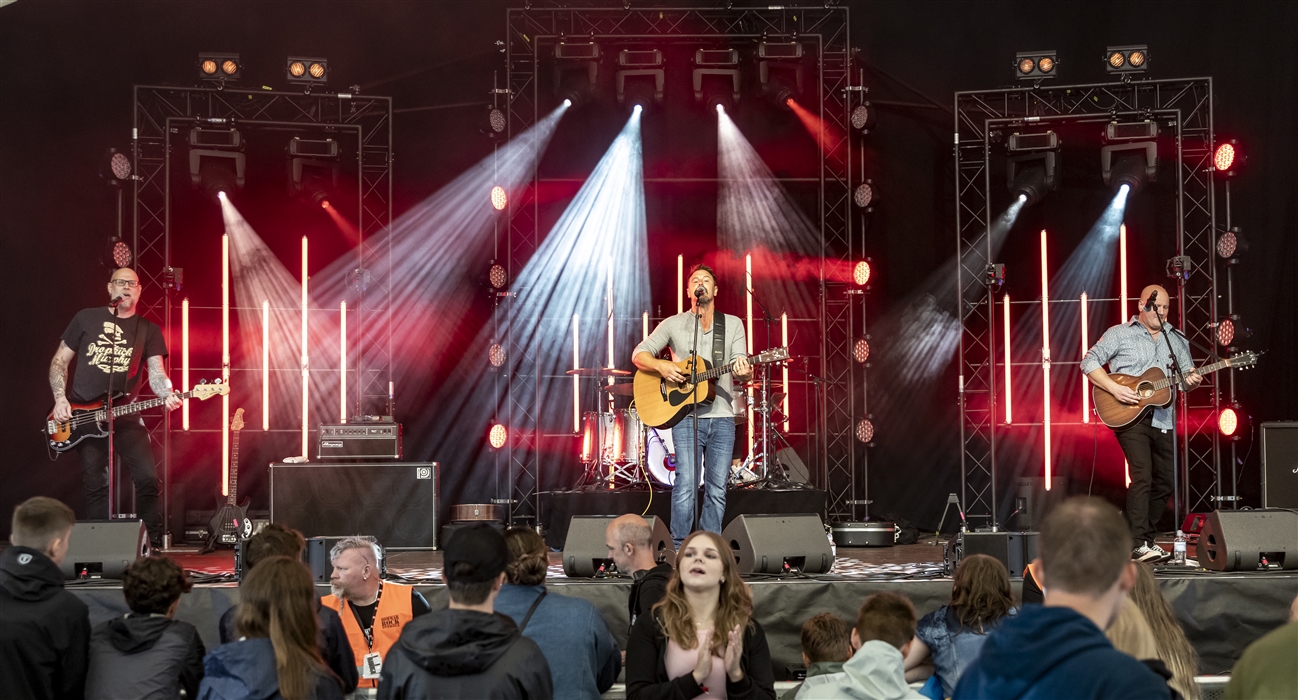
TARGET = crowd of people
(1101,630)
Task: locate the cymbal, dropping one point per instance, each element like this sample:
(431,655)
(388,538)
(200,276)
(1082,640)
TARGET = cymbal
(624,389)
(599,372)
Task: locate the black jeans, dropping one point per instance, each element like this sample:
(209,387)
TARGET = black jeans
(1149,453)
(131,442)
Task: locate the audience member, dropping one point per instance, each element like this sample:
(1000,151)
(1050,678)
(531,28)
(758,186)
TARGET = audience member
(44,630)
(1173,647)
(277,655)
(627,538)
(275,540)
(147,654)
(1058,649)
(357,580)
(1267,668)
(826,644)
(467,650)
(701,635)
(884,632)
(952,635)
(582,654)
(1130,634)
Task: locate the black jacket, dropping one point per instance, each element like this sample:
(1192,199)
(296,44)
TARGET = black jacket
(464,654)
(646,667)
(335,650)
(647,590)
(44,630)
(144,657)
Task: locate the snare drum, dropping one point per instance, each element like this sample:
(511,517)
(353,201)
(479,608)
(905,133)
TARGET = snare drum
(660,457)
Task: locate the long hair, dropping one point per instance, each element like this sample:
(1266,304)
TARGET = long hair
(277,601)
(981,593)
(1130,634)
(734,603)
(528,561)
(1173,647)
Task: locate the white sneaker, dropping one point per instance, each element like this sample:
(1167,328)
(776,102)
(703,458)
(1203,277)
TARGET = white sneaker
(1163,554)
(1146,553)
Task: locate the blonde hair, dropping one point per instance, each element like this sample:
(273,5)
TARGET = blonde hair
(1173,647)
(1130,633)
(734,604)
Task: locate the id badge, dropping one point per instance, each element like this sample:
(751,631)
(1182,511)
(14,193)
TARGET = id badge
(371,666)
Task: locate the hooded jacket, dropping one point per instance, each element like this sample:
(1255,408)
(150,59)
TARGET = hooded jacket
(149,657)
(464,654)
(245,670)
(44,630)
(1055,653)
(875,672)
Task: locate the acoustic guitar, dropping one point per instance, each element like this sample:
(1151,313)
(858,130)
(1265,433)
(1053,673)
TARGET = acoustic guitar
(90,420)
(231,525)
(1155,390)
(662,403)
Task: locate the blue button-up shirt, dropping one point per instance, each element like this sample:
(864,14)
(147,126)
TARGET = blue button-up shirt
(1131,349)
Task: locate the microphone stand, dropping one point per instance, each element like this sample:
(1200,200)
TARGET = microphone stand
(1178,375)
(112,453)
(698,455)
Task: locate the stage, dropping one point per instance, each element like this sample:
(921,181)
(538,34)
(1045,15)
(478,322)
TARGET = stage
(1221,612)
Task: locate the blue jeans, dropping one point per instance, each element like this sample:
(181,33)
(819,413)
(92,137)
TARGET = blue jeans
(717,437)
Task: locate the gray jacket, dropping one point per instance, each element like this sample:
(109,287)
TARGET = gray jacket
(144,656)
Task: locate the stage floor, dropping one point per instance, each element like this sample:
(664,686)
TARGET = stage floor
(1221,612)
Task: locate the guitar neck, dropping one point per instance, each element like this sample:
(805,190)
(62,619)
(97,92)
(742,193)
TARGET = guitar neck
(1206,369)
(725,369)
(234,470)
(137,406)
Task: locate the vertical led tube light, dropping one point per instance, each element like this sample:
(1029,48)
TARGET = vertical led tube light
(748,296)
(784,367)
(1122,273)
(644,325)
(1045,355)
(608,265)
(184,361)
(342,361)
(680,284)
(265,364)
(225,363)
(1009,387)
(576,380)
(306,371)
(1086,381)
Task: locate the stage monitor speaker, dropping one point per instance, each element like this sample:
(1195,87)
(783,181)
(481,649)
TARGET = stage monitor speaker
(1013,549)
(584,553)
(795,469)
(104,548)
(1280,465)
(1249,540)
(779,544)
(393,502)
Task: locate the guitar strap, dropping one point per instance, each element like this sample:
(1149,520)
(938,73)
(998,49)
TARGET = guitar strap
(718,339)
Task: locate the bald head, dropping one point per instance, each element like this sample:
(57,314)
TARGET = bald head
(627,539)
(1149,316)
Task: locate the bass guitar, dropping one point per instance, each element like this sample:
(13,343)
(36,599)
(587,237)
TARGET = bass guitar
(1155,390)
(90,420)
(662,403)
(231,525)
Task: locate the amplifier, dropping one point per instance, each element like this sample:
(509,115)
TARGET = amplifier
(1280,464)
(359,441)
(394,502)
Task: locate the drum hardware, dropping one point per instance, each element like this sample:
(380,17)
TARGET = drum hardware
(611,439)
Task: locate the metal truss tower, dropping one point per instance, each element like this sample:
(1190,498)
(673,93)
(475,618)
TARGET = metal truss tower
(1185,104)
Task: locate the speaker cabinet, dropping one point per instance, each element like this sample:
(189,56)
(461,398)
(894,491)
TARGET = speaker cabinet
(1013,549)
(584,553)
(104,548)
(394,502)
(1280,465)
(779,544)
(1248,540)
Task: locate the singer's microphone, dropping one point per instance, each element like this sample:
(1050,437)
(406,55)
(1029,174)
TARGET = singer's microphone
(1149,305)
(698,292)
(115,302)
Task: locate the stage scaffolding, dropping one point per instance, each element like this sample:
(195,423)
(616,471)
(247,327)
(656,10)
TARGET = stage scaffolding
(981,117)
(162,118)
(532,33)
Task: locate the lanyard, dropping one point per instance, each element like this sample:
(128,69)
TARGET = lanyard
(367,631)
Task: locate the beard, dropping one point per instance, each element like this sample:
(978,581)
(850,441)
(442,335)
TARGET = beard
(336,589)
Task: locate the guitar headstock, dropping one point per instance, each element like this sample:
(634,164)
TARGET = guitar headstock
(1242,360)
(203,392)
(772,355)
(236,423)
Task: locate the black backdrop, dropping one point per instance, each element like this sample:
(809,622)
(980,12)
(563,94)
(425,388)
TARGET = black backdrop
(66,70)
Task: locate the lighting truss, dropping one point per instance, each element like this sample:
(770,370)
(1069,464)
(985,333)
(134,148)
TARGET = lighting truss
(1187,105)
(532,34)
(163,114)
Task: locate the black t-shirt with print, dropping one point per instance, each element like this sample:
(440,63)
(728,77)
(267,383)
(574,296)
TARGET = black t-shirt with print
(104,343)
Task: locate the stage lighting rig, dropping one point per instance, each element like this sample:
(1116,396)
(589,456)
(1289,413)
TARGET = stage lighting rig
(309,72)
(1227,329)
(1228,421)
(1126,60)
(313,168)
(1180,267)
(115,168)
(216,163)
(865,195)
(865,431)
(861,273)
(640,77)
(1130,156)
(861,350)
(994,276)
(499,198)
(716,78)
(496,121)
(1230,243)
(780,71)
(1032,168)
(576,70)
(219,67)
(864,116)
(1228,159)
(497,276)
(498,436)
(117,254)
(1036,65)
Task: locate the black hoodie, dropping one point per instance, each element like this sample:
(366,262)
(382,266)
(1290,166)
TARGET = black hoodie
(44,630)
(464,654)
(144,657)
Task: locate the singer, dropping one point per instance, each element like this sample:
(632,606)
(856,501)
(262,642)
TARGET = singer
(1133,348)
(112,345)
(720,340)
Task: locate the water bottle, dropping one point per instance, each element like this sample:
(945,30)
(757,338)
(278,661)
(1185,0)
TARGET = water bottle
(1178,549)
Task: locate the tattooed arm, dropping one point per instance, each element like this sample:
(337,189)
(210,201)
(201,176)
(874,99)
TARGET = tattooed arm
(59,380)
(160,384)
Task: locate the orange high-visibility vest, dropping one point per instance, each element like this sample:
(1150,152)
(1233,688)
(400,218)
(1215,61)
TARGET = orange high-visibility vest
(391,616)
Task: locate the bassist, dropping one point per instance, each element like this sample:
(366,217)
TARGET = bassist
(1133,348)
(112,352)
(716,424)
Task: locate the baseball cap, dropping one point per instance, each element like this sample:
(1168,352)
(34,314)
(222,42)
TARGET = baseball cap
(481,552)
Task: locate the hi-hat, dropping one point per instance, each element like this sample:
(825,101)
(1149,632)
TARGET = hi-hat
(599,372)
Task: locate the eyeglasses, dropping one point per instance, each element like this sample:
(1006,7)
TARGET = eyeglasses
(126,283)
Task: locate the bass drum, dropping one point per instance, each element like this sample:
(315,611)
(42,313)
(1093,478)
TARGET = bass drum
(660,457)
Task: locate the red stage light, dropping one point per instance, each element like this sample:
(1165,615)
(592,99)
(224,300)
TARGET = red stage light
(498,436)
(789,102)
(496,354)
(1227,421)
(498,198)
(861,274)
(861,350)
(1224,157)
(864,430)
(497,276)
(121,254)
(1225,331)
